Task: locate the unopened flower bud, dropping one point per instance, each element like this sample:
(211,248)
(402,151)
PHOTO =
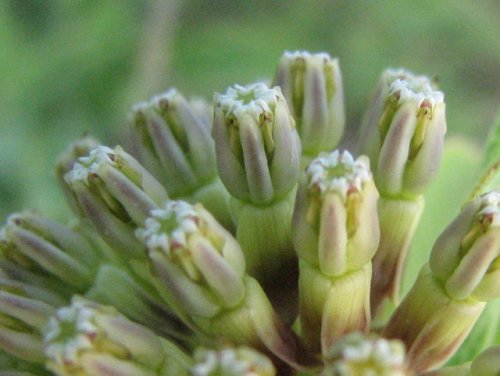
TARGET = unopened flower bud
(86,338)
(241,361)
(312,86)
(65,162)
(116,194)
(336,233)
(359,354)
(22,318)
(195,257)
(47,247)
(466,256)
(404,133)
(175,138)
(257,145)
(335,222)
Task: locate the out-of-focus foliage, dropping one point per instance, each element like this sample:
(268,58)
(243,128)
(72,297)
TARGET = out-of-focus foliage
(71,67)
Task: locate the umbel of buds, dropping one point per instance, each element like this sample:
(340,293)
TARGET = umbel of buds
(232,239)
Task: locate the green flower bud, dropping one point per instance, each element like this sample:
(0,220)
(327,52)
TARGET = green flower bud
(21,319)
(431,324)
(336,233)
(257,145)
(466,256)
(116,194)
(65,162)
(404,133)
(312,86)
(194,257)
(175,142)
(241,361)
(86,338)
(335,223)
(358,354)
(47,247)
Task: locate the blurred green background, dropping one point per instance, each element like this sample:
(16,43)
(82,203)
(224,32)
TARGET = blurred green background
(74,67)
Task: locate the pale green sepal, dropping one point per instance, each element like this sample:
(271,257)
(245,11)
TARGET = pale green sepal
(314,288)
(264,234)
(347,306)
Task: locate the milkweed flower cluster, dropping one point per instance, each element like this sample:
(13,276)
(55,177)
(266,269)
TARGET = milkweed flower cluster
(240,238)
